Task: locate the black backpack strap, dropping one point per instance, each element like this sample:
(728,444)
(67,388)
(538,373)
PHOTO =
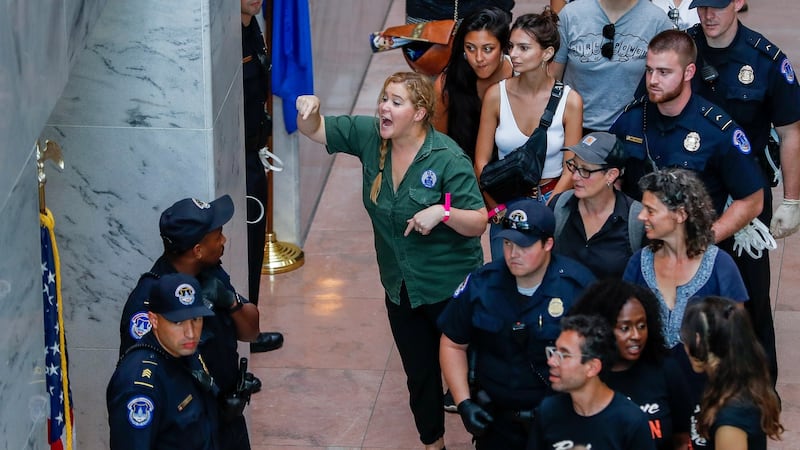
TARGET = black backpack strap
(550,110)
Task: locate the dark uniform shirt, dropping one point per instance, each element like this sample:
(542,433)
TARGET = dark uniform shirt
(702,138)
(756,85)
(255,79)
(509,331)
(218,343)
(154,402)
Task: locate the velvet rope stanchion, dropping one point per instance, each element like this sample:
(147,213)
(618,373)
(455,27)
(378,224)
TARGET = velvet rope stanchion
(279,257)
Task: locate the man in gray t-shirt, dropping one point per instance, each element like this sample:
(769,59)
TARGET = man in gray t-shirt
(603,51)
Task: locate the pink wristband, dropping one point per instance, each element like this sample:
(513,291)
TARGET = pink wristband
(446,207)
(497,210)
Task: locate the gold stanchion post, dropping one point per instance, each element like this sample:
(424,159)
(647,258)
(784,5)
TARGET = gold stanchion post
(279,257)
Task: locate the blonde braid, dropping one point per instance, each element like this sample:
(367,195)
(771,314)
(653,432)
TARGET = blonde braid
(376,183)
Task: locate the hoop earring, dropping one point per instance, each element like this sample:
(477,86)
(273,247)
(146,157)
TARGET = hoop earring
(465,55)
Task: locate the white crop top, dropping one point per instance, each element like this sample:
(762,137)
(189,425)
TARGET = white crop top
(508,137)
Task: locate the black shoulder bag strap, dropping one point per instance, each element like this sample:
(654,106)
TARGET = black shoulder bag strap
(550,110)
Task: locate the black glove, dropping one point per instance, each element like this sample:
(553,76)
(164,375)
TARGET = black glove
(217,293)
(475,418)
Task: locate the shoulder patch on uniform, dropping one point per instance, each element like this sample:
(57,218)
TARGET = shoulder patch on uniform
(717,116)
(741,142)
(140,325)
(461,286)
(787,71)
(636,103)
(140,411)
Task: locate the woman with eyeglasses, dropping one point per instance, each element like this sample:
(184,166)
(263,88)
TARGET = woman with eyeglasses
(596,224)
(643,370)
(739,408)
(482,61)
(427,216)
(513,108)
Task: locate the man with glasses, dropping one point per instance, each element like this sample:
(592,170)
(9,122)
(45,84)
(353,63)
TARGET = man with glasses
(753,80)
(602,53)
(587,412)
(507,312)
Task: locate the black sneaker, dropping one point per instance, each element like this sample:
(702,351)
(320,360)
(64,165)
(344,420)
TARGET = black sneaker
(449,403)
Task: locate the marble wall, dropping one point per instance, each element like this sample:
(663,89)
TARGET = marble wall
(145,100)
(38,43)
(151,113)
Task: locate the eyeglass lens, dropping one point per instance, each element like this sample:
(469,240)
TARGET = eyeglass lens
(583,172)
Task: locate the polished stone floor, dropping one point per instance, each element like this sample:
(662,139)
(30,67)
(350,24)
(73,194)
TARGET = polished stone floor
(338,382)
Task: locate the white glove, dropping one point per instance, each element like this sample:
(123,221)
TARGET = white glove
(786,219)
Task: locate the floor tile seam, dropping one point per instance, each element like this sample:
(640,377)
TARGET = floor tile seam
(385,371)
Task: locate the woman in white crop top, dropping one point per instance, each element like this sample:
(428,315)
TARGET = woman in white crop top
(512,109)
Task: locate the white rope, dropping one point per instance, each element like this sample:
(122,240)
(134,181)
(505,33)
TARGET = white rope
(265,155)
(754,238)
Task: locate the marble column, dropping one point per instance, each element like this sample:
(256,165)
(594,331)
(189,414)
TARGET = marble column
(151,113)
(38,43)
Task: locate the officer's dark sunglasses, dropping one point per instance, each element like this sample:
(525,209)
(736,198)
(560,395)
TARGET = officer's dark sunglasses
(607,49)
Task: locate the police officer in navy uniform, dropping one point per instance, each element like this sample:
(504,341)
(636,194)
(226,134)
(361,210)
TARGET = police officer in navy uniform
(161,395)
(751,78)
(257,129)
(672,127)
(507,312)
(191,231)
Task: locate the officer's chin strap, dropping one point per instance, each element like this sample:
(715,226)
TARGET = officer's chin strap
(754,238)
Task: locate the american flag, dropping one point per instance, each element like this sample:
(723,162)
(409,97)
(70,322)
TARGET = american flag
(59,422)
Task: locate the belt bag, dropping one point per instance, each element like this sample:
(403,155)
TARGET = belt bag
(519,173)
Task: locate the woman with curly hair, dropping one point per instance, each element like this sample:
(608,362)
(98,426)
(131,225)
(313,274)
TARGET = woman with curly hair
(478,61)
(643,371)
(681,261)
(739,408)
